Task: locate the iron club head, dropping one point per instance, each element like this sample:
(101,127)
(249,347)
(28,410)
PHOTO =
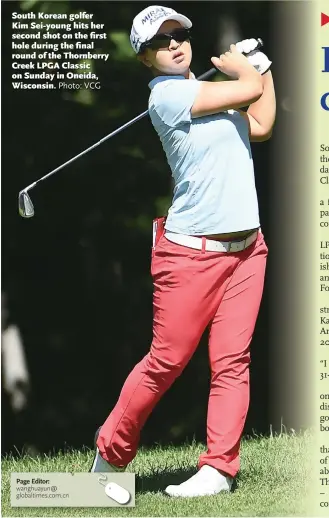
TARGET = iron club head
(25,205)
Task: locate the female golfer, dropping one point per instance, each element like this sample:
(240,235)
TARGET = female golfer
(208,260)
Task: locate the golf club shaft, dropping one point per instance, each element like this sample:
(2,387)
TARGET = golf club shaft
(115,132)
(203,76)
(206,75)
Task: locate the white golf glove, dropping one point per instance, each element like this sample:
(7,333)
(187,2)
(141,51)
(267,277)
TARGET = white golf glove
(256,58)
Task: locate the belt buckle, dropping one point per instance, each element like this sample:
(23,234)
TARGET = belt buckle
(240,245)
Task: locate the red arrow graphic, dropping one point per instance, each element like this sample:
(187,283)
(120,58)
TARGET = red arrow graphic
(324,19)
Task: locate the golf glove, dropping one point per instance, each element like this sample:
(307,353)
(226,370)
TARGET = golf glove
(257,59)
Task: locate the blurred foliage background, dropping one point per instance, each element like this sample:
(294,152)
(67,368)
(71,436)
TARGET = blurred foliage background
(76,277)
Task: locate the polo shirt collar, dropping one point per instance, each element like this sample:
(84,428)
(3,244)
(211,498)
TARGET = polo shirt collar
(159,79)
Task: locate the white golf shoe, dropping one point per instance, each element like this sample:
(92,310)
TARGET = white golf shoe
(100,465)
(207,481)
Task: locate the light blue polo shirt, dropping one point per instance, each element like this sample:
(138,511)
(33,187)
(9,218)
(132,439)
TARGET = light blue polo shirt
(210,160)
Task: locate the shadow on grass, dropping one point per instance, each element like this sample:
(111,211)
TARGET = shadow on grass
(156,482)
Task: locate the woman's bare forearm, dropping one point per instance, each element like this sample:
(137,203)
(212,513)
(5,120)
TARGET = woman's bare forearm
(262,113)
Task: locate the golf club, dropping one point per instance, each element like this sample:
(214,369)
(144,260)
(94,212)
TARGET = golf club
(25,205)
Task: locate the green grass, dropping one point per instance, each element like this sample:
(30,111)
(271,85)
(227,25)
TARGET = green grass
(273,481)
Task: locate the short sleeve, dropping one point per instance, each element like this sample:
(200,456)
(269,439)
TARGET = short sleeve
(173,100)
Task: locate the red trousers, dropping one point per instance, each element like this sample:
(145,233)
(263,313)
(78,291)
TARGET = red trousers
(194,289)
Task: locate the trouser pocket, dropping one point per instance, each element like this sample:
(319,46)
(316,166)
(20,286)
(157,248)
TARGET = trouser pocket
(158,231)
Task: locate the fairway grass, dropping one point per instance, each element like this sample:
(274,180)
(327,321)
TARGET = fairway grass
(274,480)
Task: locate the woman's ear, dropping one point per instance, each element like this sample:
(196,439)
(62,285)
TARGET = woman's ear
(143,59)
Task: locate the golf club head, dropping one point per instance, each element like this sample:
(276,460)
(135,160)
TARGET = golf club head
(25,205)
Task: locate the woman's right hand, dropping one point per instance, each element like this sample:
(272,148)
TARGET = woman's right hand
(233,63)
(219,96)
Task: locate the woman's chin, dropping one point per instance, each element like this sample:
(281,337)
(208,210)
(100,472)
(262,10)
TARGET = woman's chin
(178,69)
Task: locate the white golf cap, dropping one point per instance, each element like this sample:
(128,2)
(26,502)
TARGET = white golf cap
(147,23)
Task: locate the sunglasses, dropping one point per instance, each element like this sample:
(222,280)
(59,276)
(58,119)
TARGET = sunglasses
(160,41)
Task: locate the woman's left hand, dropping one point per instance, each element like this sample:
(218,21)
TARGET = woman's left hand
(257,59)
